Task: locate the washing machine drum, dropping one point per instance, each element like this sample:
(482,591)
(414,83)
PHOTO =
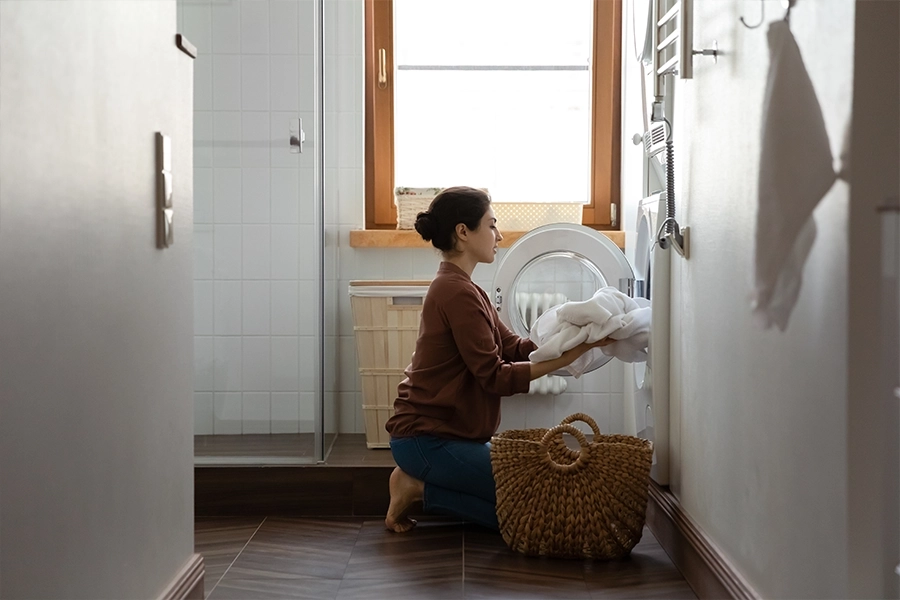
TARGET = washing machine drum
(554,264)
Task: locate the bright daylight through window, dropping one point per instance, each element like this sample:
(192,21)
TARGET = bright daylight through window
(494,94)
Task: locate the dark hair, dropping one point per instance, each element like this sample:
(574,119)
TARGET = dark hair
(450,207)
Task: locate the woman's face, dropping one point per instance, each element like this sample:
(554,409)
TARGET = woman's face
(486,237)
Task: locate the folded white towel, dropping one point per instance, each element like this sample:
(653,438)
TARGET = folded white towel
(609,313)
(795,171)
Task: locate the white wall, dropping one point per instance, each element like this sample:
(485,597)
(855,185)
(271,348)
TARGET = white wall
(600,393)
(761,415)
(96,482)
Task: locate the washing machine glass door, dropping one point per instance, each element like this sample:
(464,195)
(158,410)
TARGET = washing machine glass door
(554,264)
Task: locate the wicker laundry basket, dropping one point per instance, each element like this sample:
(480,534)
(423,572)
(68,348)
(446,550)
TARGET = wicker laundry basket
(554,501)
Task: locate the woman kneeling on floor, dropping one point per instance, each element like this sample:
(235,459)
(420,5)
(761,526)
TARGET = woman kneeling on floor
(466,359)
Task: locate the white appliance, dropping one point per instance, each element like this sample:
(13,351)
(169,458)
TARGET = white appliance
(647,384)
(567,262)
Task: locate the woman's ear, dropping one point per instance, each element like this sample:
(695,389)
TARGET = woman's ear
(461,231)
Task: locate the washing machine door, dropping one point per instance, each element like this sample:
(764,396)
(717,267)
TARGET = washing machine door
(553,264)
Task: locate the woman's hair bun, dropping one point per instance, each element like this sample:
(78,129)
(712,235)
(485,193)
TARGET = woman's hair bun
(425,225)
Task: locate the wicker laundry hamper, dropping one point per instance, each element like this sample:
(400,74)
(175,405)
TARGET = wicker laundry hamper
(554,501)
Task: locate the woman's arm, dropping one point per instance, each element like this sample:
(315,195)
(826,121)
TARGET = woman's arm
(568,357)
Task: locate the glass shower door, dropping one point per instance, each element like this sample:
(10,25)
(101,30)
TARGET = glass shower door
(259,238)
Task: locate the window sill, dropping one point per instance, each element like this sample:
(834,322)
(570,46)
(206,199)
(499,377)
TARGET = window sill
(407,238)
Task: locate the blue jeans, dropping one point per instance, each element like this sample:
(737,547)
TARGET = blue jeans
(457,475)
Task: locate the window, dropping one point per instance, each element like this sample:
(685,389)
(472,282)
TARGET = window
(518,96)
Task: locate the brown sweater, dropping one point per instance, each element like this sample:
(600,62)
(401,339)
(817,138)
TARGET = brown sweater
(465,360)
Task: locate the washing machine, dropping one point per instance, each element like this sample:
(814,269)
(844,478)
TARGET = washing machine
(647,384)
(567,262)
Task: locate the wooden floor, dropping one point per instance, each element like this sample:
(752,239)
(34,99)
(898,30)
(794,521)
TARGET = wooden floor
(343,558)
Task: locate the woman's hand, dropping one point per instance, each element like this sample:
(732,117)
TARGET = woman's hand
(567,358)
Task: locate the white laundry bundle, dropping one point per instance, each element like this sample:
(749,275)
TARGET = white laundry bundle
(609,313)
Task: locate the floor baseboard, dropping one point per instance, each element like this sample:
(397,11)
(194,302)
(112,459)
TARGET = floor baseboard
(704,567)
(188,584)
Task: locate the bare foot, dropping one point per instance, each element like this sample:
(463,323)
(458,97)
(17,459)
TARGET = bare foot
(405,491)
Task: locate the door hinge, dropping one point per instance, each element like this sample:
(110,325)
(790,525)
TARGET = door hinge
(613,215)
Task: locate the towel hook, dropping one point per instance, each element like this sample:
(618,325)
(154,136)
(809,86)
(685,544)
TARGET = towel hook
(788,5)
(762,16)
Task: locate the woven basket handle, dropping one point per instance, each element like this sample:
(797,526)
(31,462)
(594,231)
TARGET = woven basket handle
(574,432)
(582,417)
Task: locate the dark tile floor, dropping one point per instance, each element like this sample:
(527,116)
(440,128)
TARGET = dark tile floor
(344,558)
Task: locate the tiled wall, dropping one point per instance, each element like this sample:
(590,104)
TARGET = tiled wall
(254,216)
(250,300)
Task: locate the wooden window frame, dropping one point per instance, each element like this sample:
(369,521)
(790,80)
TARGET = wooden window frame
(605,116)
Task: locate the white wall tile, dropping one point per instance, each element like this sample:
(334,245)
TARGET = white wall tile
(203,251)
(425,264)
(331,128)
(350,192)
(397,263)
(204,362)
(256,413)
(345,311)
(228,364)
(349,372)
(203,82)
(331,363)
(332,197)
(254,27)
(228,307)
(255,195)
(617,413)
(308,197)
(255,82)
(227,419)
(256,356)
(203,308)
(283,20)
(285,194)
(512,413)
(256,257)
(567,404)
(307,302)
(539,411)
(203,195)
(307,408)
(226,27)
(227,139)
(597,407)
(204,412)
(369,264)
(284,87)
(349,84)
(227,251)
(348,402)
(255,307)
(255,146)
(308,352)
(279,136)
(306,65)
(203,139)
(285,363)
(227,195)
(597,381)
(285,412)
(226,82)
(285,308)
(197,25)
(616,376)
(306,27)
(285,252)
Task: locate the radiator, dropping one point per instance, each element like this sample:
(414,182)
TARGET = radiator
(531,306)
